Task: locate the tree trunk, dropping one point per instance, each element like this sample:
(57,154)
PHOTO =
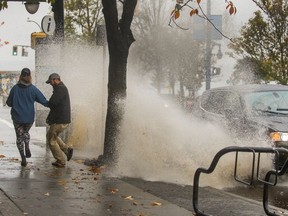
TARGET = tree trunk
(119,39)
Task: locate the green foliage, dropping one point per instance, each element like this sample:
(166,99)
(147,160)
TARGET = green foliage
(263,45)
(82,18)
(3,5)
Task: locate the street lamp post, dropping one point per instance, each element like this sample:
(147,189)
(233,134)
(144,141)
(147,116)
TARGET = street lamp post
(208,47)
(29,20)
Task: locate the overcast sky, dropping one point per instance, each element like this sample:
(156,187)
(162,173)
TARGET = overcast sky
(17,30)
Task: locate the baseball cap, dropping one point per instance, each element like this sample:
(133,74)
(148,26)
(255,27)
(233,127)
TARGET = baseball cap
(52,76)
(25,72)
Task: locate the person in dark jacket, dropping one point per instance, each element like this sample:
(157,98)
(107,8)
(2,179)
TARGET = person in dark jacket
(58,120)
(21,99)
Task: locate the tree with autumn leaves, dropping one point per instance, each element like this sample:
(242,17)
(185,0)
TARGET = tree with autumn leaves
(195,9)
(262,49)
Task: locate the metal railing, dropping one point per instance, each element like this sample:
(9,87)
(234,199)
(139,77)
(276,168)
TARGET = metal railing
(266,181)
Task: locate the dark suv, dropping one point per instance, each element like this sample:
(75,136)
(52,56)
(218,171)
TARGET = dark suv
(249,112)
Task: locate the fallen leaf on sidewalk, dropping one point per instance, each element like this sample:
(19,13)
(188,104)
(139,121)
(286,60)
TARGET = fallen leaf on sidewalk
(142,214)
(113,190)
(2,156)
(62,182)
(54,174)
(135,203)
(129,198)
(77,178)
(1,142)
(77,182)
(99,198)
(47,194)
(156,204)
(79,161)
(95,170)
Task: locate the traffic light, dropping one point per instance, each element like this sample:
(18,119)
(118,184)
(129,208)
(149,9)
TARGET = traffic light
(24,52)
(215,71)
(15,51)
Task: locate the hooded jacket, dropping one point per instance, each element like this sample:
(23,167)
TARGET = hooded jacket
(59,104)
(21,99)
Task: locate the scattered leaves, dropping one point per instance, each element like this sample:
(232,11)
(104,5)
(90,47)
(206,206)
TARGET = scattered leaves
(62,182)
(129,198)
(113,190)
(177,14)
(95,170)
(194,12)
(231,8)
(135,203)
(156,204)
(142,214)
(2,156)
(79,161)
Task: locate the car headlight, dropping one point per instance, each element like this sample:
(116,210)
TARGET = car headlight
(279,136)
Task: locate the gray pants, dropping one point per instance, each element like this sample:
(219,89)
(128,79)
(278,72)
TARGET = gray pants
(56,144)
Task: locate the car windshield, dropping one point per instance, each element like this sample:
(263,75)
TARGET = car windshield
(273,102)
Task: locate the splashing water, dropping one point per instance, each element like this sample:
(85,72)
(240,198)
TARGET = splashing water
(167,144)
(158,143)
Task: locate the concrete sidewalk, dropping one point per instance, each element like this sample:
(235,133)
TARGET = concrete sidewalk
(41,189)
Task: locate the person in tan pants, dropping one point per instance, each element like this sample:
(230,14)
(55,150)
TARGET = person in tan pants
(58,120)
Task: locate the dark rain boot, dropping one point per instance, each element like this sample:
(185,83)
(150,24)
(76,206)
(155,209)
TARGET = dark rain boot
(23,158)
(27,151)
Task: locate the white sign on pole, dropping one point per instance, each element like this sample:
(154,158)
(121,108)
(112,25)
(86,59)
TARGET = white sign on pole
(48,24)
(200,28)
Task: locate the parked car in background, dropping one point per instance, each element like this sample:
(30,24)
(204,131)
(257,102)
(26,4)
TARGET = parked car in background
(249,112)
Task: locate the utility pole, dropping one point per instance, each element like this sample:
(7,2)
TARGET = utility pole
(208,47)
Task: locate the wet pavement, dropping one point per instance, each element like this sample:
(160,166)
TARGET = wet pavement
(41,189)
